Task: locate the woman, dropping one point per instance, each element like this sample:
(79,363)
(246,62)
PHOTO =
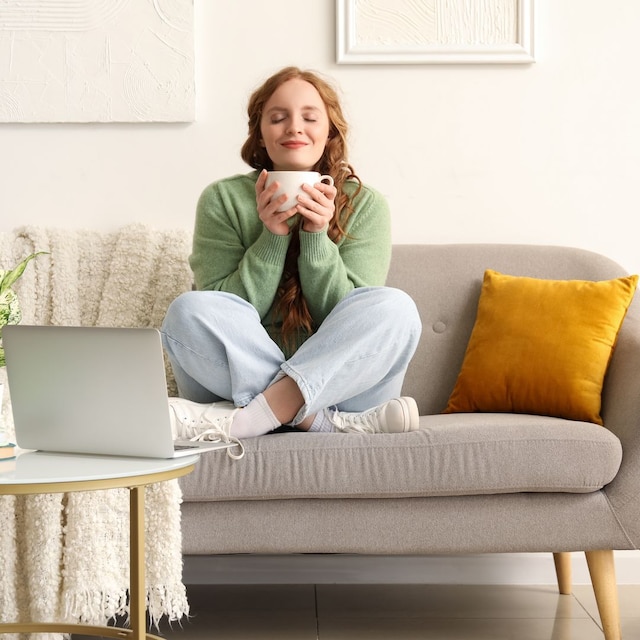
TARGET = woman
(291,320)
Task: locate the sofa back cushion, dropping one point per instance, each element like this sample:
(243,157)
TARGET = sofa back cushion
(445,281)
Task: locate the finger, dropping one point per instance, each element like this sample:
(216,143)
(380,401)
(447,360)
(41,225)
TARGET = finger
(316,216)
(304,202)
(282,216)
(265,199)
(310,214)
(328,190)
(270,213)
(317,223)
(279,201)
(271,189)
(260,182)
(320,192)
(321,206)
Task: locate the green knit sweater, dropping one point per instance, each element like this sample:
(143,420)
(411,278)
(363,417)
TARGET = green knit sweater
(234,252)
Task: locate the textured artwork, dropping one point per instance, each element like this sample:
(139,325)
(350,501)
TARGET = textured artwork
(96,61)
(393,31)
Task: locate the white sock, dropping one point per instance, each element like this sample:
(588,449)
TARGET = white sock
(321,424)
(255,419)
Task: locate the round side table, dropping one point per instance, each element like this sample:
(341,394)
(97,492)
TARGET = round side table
(39,472)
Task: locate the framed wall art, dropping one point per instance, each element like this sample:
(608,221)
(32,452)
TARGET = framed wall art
(434,31)
(96,61)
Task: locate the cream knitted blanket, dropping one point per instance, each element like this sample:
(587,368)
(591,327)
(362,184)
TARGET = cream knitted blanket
(65,556)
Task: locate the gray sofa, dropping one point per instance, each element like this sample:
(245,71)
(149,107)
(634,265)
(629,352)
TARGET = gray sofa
(462,484)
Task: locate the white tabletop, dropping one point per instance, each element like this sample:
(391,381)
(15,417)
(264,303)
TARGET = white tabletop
(39,467)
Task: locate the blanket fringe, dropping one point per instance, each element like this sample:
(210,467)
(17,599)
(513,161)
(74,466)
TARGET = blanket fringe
(96,606)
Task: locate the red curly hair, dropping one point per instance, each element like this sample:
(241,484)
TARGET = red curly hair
(291,304)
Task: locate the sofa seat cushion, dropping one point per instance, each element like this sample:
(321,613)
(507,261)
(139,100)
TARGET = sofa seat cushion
(452,454)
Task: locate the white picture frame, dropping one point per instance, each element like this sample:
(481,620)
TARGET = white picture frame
(97,61)
(400,26)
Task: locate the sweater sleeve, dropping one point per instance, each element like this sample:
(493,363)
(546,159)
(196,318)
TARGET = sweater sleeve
(329,271)
(232,250)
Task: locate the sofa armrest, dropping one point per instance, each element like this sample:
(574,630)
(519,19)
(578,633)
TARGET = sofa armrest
(621,414)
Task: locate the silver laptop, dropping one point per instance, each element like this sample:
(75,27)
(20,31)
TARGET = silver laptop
(93,390)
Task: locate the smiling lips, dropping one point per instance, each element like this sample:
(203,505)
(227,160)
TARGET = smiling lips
(294,144)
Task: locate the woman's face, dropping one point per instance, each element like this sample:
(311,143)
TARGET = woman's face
(294,126)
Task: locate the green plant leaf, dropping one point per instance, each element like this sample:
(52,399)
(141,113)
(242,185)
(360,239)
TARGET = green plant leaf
(9,277)
(10,312)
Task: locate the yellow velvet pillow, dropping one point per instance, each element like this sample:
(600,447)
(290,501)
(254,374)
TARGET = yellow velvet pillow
(541,346)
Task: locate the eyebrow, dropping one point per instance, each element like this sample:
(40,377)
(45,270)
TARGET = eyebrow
(309,107)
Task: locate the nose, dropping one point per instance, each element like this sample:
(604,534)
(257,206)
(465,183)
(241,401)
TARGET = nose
(295,125)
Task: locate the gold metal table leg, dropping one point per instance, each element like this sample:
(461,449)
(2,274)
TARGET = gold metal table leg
(137,590)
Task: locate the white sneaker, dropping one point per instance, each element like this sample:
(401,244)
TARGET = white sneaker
(194,421)
(396,416)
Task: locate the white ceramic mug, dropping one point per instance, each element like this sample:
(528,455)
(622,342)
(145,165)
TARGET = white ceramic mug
(291,184)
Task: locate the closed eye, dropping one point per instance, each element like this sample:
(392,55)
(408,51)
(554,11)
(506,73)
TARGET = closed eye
(309,114)
(278,119)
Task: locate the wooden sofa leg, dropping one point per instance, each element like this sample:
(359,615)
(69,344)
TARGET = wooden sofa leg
(603,578)
(563,572)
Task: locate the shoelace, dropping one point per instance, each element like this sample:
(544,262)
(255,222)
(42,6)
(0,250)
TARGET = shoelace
(220,433)
(365,422)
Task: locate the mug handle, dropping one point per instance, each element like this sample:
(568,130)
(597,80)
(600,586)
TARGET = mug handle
(328,179)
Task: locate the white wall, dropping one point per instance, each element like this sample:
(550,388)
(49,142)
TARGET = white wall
(548,153)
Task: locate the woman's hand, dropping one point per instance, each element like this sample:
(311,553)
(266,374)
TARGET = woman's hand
(317,207)
(276,221)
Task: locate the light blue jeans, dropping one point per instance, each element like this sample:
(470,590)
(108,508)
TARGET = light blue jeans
(356,360)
